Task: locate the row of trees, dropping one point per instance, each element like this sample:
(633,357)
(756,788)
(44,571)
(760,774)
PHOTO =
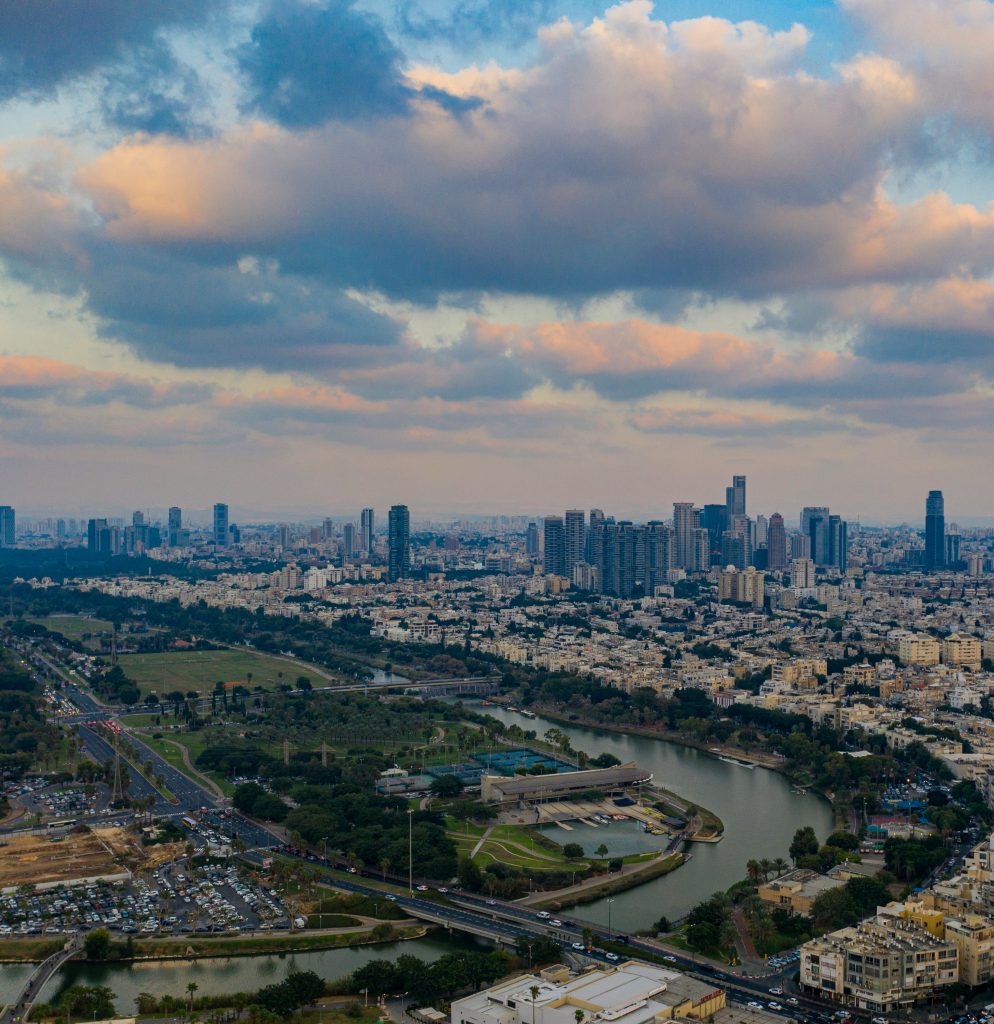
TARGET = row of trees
(427,982)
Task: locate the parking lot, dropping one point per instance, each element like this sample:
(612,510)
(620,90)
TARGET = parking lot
(177,898)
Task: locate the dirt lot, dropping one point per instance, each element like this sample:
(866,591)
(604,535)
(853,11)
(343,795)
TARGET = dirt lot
(28,860)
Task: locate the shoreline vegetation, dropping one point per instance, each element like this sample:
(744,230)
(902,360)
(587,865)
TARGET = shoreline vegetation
(155,950)
(730,751)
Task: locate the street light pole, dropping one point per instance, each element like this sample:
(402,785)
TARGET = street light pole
(410,850)
(610,900)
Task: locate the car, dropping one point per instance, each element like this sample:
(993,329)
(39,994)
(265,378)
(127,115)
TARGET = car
(556,923)
(774,1006)
(491,903)
(578,945)
(612,956)
(543,915)
(752,1004)
(670,959)
(422,888)
(878,1020)
(443,890)
(391,898)
(776,990)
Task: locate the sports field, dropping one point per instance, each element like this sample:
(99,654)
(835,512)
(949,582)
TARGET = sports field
(73,627)
(201,670)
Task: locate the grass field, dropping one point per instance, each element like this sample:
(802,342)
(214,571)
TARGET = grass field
(511,845)
(72,627)
(200,670)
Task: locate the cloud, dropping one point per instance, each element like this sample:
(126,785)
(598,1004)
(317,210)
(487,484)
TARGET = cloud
(44,44)
(947,45)
(29,379)
(310,62)
(154,92)
(631,155)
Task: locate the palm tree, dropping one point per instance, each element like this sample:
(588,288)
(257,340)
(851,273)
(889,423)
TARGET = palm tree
(534,989)
(385,866)
(191,988)
(578,1015)
(752,869)
(780,865)
(765,867)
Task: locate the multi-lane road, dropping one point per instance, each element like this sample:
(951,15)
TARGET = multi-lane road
(503,922)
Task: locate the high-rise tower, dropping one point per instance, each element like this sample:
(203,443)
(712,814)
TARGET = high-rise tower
(220,525)
(776,542)
(7,526)
(575,538)
(935,530)
(399,542)
(367,522)
(554,561)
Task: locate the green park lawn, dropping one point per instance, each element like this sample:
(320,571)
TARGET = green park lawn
(201,670)
(510,845)
(74,627)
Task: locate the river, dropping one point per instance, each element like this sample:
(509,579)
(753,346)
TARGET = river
(759,808)
(217,975)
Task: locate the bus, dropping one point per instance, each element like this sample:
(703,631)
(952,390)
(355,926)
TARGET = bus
(62,823)
(189,822)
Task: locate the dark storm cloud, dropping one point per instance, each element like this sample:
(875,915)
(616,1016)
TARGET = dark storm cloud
(44,43)
(308,63)
(176,309)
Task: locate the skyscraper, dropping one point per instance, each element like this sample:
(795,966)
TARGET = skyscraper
(814,524)
(532,544)
(735,497)
(686,519)
(575,538)
(366,525)
(175,524)
(838,543)
(399,543)
(348,540)
(714,519)
(220,525)
(935,530)
(658,555)
(776,542)
(554,561)
(7,526)
(98,538)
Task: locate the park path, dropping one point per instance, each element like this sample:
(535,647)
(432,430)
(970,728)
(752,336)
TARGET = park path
(479,846)
(592,882)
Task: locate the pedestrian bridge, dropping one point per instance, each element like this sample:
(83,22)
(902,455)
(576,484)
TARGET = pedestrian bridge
(19,1010)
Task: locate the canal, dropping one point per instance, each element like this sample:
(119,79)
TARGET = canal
(759,808)
(219,975)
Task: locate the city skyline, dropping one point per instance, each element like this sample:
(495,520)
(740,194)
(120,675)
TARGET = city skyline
(559,252)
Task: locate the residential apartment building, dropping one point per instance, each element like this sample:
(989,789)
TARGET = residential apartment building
(918,649)
(884,964)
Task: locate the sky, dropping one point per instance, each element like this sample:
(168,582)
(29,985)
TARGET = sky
(497,255)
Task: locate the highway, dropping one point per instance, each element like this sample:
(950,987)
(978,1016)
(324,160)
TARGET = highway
(502,922)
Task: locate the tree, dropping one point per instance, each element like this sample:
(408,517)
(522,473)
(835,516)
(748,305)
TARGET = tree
(601,850)
(191,989)
(446,786)
(97,944)
(470,876)
(752,869)
(573,851)
(93,1001)
(804,843)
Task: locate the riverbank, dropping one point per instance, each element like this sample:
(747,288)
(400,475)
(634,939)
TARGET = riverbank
(16,951)
(592,889)
(744,757)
